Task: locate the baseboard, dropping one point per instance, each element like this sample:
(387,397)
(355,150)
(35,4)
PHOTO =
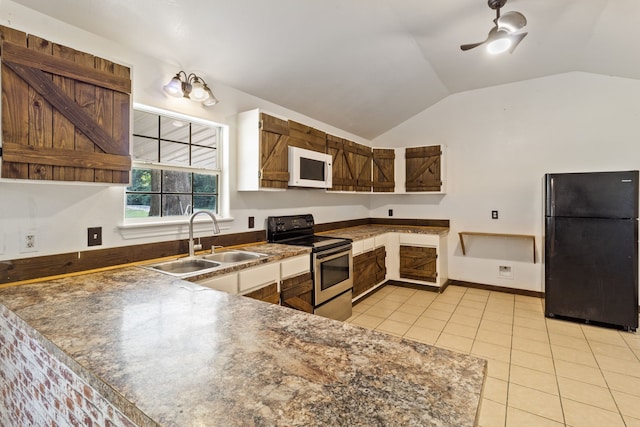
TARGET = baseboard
(416,286)
(515,291)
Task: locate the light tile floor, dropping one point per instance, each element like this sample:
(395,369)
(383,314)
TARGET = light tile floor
(542,372)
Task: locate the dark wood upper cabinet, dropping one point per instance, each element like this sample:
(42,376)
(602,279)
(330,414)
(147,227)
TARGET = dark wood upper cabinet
(274,157)
(384,170)
(306,137)
(423,168)
(351,165)
(263,158)
(65,113)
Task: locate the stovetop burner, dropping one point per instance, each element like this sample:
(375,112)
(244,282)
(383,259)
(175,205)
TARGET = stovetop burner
(298,230)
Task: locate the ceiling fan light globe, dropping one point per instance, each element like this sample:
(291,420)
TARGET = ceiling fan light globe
(499,45)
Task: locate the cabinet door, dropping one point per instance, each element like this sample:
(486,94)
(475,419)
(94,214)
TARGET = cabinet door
(423,168)
(306,137)
(369,269)
(268,293)
(297,292)
(341,175)
(363,272)
(227,283)
(381,264)
(384,170)
(418,263)
(274,157)
(359,161)
(351,165)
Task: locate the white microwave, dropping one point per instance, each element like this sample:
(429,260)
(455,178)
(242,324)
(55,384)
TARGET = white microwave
(309,168)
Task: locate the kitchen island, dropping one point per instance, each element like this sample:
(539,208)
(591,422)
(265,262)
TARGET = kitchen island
(168,352)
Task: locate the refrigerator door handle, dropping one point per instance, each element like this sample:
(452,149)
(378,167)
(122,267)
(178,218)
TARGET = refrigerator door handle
(551,197)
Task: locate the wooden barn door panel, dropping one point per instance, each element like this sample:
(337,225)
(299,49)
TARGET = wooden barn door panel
(423,168)
(418,263)
(65,113)
(362,156)
(384,170)
(274,156)
(340,173)
(15,107)
(306,137)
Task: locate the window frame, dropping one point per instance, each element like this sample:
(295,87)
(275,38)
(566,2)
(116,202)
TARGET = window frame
(221,173)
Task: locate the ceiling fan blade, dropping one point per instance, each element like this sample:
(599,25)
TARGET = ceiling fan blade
(515,40)
(511,22)
(471,45)
(492,34)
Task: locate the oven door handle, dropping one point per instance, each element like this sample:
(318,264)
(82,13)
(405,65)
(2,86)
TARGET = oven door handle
(323,255)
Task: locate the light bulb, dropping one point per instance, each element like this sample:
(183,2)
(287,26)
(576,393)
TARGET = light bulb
(499,45)
(198,92)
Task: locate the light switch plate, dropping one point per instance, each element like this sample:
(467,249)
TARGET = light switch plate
(94,236)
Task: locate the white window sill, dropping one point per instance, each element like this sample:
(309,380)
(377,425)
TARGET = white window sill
(178,228)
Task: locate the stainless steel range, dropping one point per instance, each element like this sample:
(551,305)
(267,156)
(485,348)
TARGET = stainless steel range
(331,263)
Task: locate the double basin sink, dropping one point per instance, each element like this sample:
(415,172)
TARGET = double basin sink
(185,267)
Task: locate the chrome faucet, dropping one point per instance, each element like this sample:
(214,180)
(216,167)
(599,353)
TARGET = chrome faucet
(216,230)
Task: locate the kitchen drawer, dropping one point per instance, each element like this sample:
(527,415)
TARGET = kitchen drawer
(295,266)
(364,245)
(381,240)
(227,283)
(257,276)
(419,239)
(357,247)
(368,244)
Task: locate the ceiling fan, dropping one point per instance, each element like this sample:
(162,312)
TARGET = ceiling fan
(503,36)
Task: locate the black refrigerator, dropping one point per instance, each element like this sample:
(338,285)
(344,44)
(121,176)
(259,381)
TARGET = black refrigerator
(591,247)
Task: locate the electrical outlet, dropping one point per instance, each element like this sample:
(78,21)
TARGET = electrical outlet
(94,236)
(252,222)
(504,271)
(390,212)
(494,214)
(28,241)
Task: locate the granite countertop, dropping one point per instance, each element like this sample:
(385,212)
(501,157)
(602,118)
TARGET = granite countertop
(172,353)
(366,231)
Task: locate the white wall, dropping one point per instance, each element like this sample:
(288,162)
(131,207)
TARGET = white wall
(61,213)
(501,141)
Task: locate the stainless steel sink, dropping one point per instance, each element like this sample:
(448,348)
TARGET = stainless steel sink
(185,266)
(230,257)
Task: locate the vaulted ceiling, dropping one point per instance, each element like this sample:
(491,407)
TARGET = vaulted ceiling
(364,66)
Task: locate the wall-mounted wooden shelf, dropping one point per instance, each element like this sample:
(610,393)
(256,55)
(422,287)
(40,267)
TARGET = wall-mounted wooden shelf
(517,236)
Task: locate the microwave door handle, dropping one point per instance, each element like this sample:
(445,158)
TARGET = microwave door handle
(328,174)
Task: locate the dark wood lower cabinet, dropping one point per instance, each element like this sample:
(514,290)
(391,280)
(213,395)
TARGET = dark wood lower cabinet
(268,294)
(369,269)
(296,292)
(418,263)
